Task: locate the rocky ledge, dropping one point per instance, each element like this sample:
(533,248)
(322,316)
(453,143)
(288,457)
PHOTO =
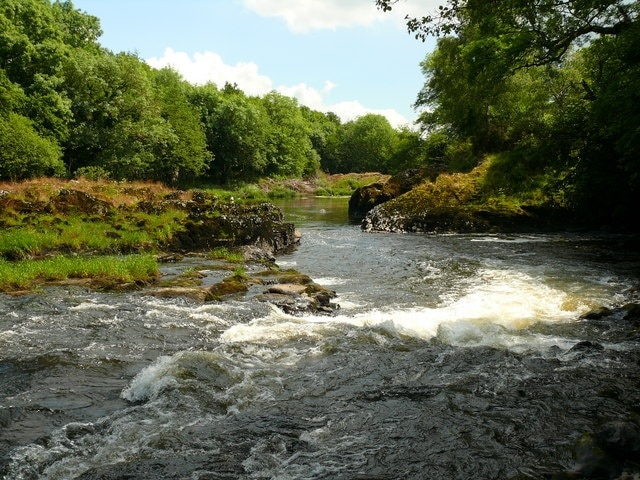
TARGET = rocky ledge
(208,223)
(429,201)
(292,292)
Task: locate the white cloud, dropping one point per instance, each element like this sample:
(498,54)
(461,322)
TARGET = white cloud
(206,67)
(306,15)
(209,67)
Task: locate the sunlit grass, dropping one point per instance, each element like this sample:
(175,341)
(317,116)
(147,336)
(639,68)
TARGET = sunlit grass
(110,271)
(118,234)
(223,253)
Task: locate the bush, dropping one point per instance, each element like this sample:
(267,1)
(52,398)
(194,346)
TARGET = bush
(92,173)
(24,153)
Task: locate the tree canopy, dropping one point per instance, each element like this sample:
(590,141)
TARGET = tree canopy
(70,107)
(551,85)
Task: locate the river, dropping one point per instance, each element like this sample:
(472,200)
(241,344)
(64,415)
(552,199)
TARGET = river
(451,357)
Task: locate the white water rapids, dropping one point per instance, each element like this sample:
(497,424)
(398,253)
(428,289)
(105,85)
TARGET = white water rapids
(459,356)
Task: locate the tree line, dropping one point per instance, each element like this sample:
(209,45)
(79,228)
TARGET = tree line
(69,107)
(550,88)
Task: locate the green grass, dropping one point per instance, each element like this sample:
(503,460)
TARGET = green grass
(111,271)
(223,253)
(345,185)
(118,234)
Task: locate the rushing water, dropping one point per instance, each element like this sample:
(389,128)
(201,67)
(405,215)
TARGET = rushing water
(452,357)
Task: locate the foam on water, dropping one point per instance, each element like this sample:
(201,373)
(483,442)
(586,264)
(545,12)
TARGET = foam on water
(496,310)
(151,380)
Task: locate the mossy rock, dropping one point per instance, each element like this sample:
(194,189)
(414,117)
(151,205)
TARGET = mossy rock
(295,279)
(234,285)
(367,197)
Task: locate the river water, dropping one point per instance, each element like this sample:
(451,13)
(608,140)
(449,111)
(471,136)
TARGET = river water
(452,357)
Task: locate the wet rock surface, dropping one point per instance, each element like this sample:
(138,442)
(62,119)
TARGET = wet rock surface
(291,291)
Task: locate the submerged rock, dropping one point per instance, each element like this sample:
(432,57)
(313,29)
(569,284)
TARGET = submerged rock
(610,452)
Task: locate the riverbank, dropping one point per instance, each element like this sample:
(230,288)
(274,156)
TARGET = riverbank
(116,236)
(477,201)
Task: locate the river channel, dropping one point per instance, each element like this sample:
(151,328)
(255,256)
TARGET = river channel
(451,357)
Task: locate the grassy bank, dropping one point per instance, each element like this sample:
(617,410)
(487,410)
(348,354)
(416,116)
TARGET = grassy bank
(337,185)
(107,272)
(106,234)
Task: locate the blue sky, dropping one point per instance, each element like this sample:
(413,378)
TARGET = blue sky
(332,55)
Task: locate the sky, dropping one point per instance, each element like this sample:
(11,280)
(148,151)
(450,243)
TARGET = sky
(343,56)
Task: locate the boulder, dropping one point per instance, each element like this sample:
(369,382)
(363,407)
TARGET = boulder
(367,197)
(211,225)
(76,201)
(300,297)
(195,293)
(611,452)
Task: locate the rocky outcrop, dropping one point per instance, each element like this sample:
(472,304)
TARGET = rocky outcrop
(293,293)
(233,225)
(209,223)
(367,197)
(298,299)
(458,203)
(70,201)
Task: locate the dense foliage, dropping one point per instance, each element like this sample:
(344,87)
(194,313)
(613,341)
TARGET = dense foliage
(69,107)
(550,87)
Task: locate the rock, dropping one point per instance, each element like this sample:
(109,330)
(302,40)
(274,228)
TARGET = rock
(297,298)
(195,293)
(367,197)
(253,253)
(229,286)
(70,201)
(610,452)
(586,346)
(287,289)
(291,304)
(233,225)
(596,314)
(169,257)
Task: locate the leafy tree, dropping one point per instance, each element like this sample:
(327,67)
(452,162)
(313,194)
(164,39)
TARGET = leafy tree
(24,153)
(32,52)
(538,32)
(235,129)
(409,151)
(78,29)
(323,135)
(541,78)
(290,152)
(368,144)
(117,122)
(185,152)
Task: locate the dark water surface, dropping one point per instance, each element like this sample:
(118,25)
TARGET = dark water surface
(452,357)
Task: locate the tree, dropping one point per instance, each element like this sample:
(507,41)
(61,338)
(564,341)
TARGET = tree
(32,52)
(235,129)
(185,152)
(539,32)
(290,152)
(539,79)
(323,134)
(24,153)
(367,144)
(117,122)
